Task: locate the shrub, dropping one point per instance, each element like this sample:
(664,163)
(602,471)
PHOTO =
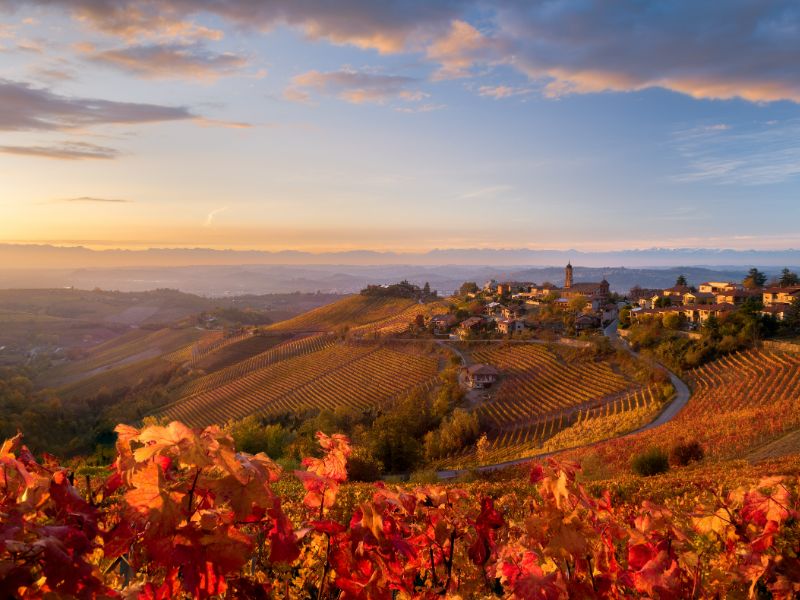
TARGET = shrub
(651,462)
(683,454)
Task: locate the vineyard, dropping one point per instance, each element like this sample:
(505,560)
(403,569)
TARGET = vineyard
(538,382)
(399,323)
(297,347)
(567,430)
(739,402)
(353,311)
(357,376)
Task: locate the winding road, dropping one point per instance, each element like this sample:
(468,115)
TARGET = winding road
(682,395)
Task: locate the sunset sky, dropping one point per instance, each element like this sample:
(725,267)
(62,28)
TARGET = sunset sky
(320,125)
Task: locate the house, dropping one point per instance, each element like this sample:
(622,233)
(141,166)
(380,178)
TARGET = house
(676,291)
(442,323)
(510,326)
(693,298)
(780,295)
(609,312)
(513,312)
(584,322)
(470,325)
(636,294)
(713,310)
(493,308)
(481,376)
(736,297)
(716,287)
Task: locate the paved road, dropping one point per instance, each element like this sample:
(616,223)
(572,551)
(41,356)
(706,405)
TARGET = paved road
(673,408)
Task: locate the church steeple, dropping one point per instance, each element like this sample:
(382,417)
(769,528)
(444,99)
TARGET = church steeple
(568,276)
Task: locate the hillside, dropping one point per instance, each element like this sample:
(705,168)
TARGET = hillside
(358,376)
(353,311)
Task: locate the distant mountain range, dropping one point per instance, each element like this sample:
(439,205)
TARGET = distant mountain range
(224,273)
(76,257)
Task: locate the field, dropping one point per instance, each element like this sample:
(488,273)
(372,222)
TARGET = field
(115,363)
(538,382)
(358,376)
(353,311)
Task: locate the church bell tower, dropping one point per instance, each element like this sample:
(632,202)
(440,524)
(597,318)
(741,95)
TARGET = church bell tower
(568,276)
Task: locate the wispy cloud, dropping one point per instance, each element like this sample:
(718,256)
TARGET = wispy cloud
(64,151)
(758,154)
(356,87)
(212,215)
(25,107)
(94,199)
(168,61)
(499,92)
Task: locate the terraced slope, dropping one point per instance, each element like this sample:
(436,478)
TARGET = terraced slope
(338,375)
(353,311)
(619,416)
(399,322)
(296,347)
(99,367)
(740,403)
(537,382)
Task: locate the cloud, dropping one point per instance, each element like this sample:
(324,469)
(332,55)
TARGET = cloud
(717,50)
(704,50)
(499,92)
(420,108)
(756,154)
(212,215)
(387,26)
(95,199)
(356,87)
(24,107)
(64,151)
(460,50)
(165,61)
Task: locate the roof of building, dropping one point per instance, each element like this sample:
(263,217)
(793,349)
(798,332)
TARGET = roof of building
(678,289)
(789,289)
(587,286)
(480,369)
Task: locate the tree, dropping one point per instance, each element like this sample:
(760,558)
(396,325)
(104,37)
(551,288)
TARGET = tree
(426,289)
(681,281)
(788,278)
(578,303)
(468,287)
(755,279)
(792,318)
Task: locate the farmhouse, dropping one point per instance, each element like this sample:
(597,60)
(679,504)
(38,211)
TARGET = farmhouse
(481,376)
(506,326)
(442,323)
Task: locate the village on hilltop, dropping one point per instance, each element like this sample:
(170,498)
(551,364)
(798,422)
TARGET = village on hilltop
(514,308)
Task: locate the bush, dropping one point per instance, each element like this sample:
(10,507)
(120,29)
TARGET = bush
(683,454)
(651,462)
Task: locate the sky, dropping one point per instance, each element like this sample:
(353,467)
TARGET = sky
(400,125)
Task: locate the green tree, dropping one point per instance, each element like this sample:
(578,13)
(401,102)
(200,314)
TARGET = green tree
(788,278)
(755,279)
(681,281)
